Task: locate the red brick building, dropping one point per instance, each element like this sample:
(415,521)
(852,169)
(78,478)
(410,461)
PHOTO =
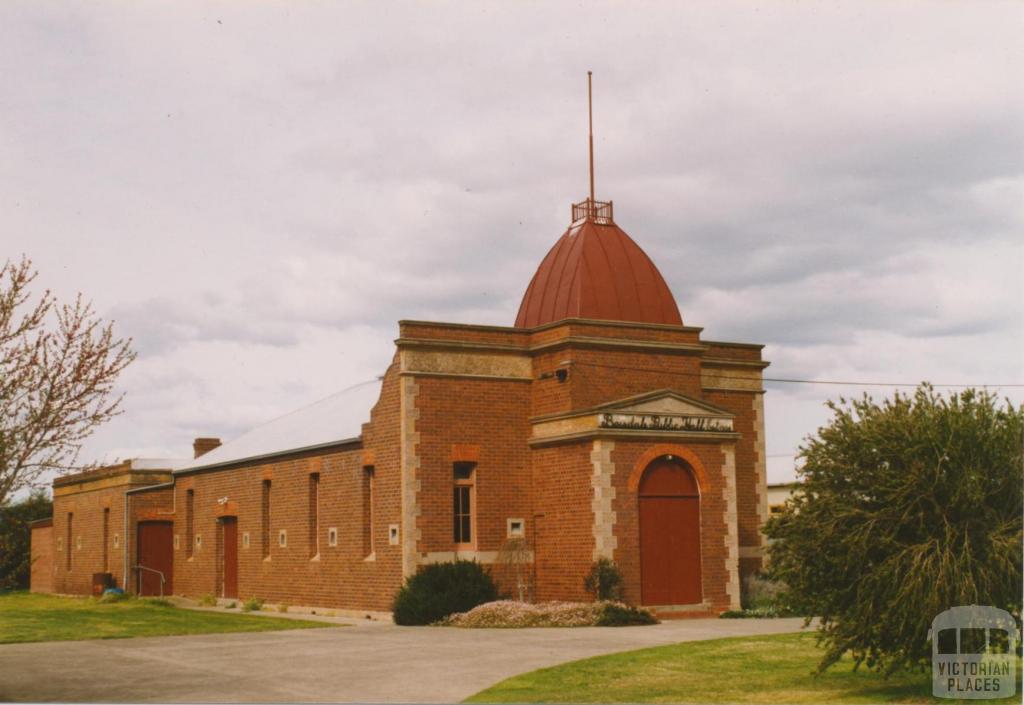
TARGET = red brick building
(599,425)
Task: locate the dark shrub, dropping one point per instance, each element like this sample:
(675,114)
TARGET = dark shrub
(618,615)
(441,589)
(15,538)
(604,581)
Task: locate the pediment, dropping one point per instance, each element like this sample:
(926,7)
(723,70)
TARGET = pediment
(667,403)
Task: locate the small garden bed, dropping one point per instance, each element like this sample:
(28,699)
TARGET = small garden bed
(511,614)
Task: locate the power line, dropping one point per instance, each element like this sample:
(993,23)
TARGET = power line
(783,380)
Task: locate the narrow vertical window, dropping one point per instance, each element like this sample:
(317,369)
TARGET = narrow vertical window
(265,528)
(368,510)
(462,504)
(314,514)
(190,522)
(106,539)
(70,542)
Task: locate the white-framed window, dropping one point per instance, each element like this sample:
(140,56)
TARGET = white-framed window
(199,541)
(117,541)
(282,538)
(177,542)
(332,536)
(245,539)
(516,528)
(393,534)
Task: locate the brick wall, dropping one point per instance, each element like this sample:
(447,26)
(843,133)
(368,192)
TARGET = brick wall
(82,505)
(481,421)
(43,567)
(563,535)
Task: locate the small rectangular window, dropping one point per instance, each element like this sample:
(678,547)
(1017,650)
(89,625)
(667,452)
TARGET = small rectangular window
(516,528)
(117,541)
(282,538)
(245,539)
(199,541)
(332,536)
(393,534)
(177,542)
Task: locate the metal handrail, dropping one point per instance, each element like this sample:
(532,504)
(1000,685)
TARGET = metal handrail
(151,570)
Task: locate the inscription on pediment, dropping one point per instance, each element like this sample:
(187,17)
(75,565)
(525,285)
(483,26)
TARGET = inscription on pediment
(662,422)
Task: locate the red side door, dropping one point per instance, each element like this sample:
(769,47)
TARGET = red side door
(156,552)
(230,528)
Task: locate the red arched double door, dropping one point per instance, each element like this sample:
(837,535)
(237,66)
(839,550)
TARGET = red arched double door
(669,534)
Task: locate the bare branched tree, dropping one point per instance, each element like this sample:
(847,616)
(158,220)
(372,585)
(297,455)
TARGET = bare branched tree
(58,367)
(512,567)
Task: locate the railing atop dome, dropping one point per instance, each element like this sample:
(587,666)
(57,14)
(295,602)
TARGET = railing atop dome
(599,212)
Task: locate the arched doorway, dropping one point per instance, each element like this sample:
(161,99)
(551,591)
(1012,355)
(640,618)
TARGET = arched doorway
(669,534)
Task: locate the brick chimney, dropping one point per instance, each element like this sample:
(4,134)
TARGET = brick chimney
(202,446)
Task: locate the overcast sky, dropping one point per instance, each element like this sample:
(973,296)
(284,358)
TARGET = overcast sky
(258,192)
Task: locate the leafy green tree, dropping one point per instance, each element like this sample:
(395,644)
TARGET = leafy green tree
(907,508)
(15,538)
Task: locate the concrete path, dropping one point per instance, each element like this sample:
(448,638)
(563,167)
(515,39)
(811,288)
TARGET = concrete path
(367,662)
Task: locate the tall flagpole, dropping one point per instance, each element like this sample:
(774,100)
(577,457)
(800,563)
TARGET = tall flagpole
(590,111)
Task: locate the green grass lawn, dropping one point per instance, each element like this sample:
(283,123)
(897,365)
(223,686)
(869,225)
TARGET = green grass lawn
(766,669)
(33,617)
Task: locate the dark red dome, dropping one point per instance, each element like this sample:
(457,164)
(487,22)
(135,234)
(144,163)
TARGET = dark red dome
(595,270)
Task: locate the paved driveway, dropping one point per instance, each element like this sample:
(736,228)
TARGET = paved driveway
(367,662)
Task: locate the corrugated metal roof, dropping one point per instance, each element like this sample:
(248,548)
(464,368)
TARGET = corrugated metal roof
(337,418)
(595,270)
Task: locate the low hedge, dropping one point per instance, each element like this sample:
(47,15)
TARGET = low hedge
(441,589)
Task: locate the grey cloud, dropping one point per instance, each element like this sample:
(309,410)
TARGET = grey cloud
(274,191)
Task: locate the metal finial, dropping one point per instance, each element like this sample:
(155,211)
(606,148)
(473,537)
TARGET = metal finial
(590,112)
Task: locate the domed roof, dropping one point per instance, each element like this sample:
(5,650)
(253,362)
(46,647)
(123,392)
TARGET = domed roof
(595,270)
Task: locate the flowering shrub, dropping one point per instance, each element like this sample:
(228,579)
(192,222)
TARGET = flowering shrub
(509,613)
